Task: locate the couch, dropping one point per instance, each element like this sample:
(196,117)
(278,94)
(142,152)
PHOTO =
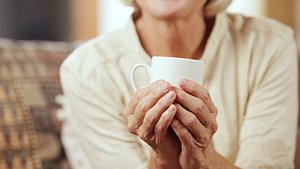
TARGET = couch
(29,83)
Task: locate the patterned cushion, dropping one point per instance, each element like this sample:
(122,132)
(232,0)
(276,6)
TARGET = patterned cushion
(29,82)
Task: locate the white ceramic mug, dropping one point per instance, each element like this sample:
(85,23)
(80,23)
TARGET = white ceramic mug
(171,69)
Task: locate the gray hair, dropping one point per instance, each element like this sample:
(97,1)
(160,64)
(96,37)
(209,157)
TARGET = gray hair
(211,8)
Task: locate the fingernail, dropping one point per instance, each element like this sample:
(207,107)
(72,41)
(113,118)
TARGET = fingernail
(184,83)
(171,108)
(169,95)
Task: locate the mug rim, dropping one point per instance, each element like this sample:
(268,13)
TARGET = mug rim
(176,58)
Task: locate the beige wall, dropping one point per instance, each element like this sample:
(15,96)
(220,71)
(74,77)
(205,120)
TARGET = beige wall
(83,16)
(286,11)
(282,10)
(298,23)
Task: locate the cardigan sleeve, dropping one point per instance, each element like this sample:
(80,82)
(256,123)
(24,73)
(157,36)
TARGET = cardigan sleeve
(95,133)
(268,132)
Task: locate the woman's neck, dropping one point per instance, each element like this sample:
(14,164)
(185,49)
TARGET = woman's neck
(178,38)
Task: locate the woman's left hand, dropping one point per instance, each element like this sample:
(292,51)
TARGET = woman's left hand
(195,124)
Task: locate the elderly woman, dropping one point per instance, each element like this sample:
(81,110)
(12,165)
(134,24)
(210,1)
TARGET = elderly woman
(244,115)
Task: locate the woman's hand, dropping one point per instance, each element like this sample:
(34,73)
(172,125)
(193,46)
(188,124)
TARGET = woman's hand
(194,124)
(149,115)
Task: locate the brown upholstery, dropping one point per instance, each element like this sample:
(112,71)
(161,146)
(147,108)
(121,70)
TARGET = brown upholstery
(29,82)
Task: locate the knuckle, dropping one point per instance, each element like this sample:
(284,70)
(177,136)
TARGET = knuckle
(156,93)
(200,107)
(137,97)
(205,139)
(141,136)
(138,94)
(214,127)
(181,95)
(215,111)
(148,120)
(127,112)
(131,128)
(142,106)
(191,121)
(158,129)
(194,88)
(214,115)
(183,134)
(205,95)
(201,144)
(145,136)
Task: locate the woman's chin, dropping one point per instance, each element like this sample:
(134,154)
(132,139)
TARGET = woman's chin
(168,14)
(169,10)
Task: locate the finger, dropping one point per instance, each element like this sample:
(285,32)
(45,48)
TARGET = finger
(148,101)
(195,105)
(196,90)
(159,85)
(184,135)
(191,122)
(142,102)
(155,113)
(161,127)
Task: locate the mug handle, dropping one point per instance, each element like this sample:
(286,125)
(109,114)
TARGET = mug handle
(135,67)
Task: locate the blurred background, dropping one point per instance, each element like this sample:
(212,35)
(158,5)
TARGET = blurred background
(72,20)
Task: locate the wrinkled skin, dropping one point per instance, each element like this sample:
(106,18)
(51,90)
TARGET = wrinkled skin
(177,123)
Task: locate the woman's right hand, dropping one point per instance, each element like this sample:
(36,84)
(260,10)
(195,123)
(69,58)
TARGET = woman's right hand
(149,115)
